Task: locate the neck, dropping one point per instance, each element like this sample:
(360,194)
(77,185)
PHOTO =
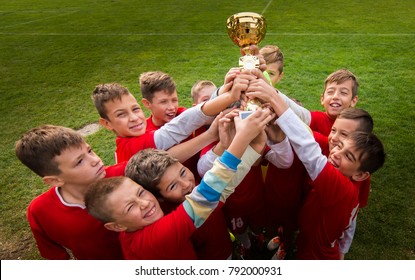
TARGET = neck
(73,195)
(156,122)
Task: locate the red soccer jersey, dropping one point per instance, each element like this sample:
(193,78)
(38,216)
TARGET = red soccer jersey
(283,198)
(129,146)
(211,241)
(321,122)
(328,210)
(166,239)
(151,126)
(57,226)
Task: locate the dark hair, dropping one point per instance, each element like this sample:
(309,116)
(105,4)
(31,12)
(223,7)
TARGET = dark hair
(372,156)
(147,167)
(363,117)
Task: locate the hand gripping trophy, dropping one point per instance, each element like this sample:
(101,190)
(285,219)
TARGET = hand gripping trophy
(247,29)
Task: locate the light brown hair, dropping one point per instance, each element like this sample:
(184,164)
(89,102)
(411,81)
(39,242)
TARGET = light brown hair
(273,54)
(38,147)
(96,197)
(198,86)
(107,92)
(341,76)
(154,81)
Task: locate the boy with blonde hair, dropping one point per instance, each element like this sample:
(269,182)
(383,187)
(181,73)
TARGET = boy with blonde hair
(202,91)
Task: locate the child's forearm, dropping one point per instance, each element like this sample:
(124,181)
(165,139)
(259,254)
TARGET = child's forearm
(181,127)
(306,148)
(187,149)
(201,202)
(281,154)
(218,104)
(301,112)
(248,159)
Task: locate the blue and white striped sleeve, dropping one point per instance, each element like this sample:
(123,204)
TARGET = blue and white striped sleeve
(201,202)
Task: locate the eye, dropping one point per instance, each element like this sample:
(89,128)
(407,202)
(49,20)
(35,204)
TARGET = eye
(183,172)
(120,115)
(130,207)
(136,109)
(141,192)
(172,187)
(79,162)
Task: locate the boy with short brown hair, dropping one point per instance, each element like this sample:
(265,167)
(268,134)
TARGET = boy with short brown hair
(145,234)
(58,218)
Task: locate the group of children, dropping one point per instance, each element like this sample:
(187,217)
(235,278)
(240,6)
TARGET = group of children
(201,182)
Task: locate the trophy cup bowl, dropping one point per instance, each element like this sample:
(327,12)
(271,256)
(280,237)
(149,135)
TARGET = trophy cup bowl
(246,29)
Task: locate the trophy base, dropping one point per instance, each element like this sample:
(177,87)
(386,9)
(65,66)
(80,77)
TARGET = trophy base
(248,62)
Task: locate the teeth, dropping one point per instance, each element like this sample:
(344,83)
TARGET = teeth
(151,212)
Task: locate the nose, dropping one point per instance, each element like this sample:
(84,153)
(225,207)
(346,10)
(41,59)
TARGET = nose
(336,94)
(95,160)
(335,138)
(133,116)
(144,203)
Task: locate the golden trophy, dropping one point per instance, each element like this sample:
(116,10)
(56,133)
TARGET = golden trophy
(247,29)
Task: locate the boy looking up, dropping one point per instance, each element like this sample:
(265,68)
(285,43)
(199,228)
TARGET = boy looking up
(332,204)
(58,218)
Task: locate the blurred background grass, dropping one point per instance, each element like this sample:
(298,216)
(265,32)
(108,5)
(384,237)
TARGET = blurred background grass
(53,53)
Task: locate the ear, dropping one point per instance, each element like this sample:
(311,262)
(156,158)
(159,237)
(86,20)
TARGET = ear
(115,227)
(280,77)
(360,176)
(105,123)
(146,103)
(53,181)
(354,101)
(321,99)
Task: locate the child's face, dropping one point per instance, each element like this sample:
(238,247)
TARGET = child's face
(163,107)
(274,73)
(340,130)
(176,182)
(125,116)
(133,207)
(345,158)
(337,97)
(204,94)
(80,166)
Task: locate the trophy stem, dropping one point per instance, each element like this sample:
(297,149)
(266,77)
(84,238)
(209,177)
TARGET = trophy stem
(247,49)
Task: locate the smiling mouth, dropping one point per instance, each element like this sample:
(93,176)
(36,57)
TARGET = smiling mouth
(334,163)
(137,126)
(151,212)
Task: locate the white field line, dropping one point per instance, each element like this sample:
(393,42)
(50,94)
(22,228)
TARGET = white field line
(203,34)
(266,7)
(41,19)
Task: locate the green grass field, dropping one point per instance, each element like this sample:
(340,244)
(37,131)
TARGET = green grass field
(53,53)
